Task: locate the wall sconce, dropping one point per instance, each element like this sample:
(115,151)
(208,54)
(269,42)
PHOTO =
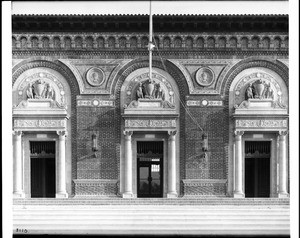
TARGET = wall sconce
(94,141)
(204,142)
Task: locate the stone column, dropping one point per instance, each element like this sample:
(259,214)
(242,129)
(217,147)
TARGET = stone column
(172,193)
(238,162)
(128,165)
(61,166)
(18,190)
(282,160)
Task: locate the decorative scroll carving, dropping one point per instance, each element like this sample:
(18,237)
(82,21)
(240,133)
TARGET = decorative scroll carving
(39,123)
(17,133)
(127,133)
(282,132)
(150,123)
(261,123)
(150,103)
(238,133)
(259,103)
(172,133)
(40,103)
(61,133)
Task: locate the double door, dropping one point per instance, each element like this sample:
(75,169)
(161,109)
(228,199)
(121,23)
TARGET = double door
(150,169)
(149,177)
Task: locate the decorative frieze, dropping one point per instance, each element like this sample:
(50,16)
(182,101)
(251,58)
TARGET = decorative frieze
(149,123)
(95,103)
(111,40)
(261,123)
(19,123)
(205,103)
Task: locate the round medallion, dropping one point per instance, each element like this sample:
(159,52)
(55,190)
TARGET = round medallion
(95,77)
(95,102)
(204,102)
(205,76)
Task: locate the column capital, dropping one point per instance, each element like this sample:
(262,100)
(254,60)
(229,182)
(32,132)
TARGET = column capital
(17,133)
(172,133)
(61,133)
(127,133)
(238,133)
(282,132)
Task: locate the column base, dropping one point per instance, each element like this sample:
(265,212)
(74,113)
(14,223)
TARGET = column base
(61,195)
(18,195)
(239,195)
(172,195)
(127,195)
(283,195)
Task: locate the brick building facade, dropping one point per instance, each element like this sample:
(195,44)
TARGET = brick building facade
(76,80)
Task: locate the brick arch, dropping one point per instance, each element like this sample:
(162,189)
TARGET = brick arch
(252,62)
(276,66)
(183,91)
(74,88)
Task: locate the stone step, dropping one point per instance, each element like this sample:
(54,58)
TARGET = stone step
(152,219)
(156,201)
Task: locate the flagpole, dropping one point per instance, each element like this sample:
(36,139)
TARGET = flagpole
(150,44)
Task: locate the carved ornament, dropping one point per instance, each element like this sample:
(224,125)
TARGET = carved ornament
(19,123)
(261,123)
(95,103)
(204,103)
(150,123)
(141,87)
(205,76)
(95,77)
(42,85)
(258,86)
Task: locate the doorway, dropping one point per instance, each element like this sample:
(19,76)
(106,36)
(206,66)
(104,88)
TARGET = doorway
(149,168)
(257,168)
(42,167)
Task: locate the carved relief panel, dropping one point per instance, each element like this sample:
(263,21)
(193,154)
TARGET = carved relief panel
(258,87)
(140,87)
(41,86)
(204,76)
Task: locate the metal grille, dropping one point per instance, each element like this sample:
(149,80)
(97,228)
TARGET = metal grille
(149,147)
(42,147)
(261,147)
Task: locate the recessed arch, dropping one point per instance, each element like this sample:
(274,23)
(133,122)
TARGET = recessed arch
(180,80)
(44,62)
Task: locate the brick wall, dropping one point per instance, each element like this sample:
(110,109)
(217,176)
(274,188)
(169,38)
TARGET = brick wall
(103,163)
(213,122)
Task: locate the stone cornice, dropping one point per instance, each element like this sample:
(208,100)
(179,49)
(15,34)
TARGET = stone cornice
(139,23)
(114,41)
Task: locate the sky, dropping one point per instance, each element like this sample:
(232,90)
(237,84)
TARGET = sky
(142,7)
(158,7)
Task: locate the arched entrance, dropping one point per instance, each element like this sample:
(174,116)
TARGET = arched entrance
(150,141)
(258,100)
(42,132)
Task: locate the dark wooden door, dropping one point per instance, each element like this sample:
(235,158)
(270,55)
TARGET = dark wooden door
(42,177)
(42,168)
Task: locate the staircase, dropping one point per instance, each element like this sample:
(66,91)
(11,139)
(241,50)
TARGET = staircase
(182,216)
